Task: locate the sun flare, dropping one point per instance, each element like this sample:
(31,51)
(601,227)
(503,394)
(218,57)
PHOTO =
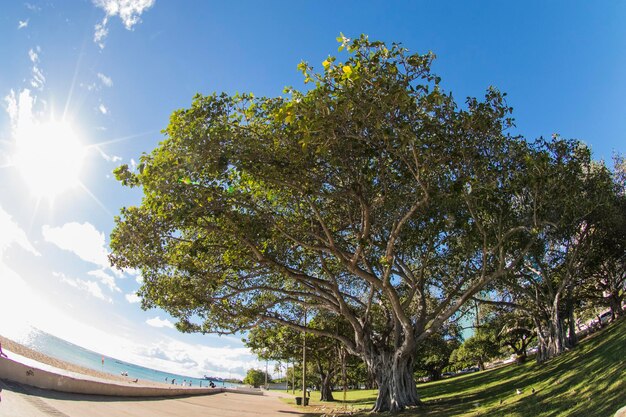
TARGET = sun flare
(49,157)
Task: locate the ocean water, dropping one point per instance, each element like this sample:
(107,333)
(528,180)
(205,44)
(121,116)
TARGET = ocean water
(58,348)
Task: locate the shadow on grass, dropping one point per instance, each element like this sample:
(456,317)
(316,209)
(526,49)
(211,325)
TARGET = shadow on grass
(588,381)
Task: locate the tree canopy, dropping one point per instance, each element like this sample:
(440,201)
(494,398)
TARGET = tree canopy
(257,378)
(372,196)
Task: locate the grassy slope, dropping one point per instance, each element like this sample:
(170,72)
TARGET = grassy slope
(588,381)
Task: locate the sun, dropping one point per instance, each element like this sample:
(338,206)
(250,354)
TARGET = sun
(49,158)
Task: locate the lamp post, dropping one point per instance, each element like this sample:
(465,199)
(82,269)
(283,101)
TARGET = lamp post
(293,377)
(304,402)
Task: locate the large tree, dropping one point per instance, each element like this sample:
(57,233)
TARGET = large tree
(372,195)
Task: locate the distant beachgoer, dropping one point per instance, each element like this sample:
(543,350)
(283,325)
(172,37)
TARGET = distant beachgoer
(173,380)
(136,380)
(1,352)
(165,379)
(212,385)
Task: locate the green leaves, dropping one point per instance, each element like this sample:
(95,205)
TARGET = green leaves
(343,41)
(372,196)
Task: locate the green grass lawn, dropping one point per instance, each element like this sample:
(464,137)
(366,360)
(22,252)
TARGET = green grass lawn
(588,381)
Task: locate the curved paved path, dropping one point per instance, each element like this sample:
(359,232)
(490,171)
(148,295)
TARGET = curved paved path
(25,401)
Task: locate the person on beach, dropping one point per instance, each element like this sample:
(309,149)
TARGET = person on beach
(2,353)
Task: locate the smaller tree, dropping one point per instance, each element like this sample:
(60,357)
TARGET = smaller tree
(606,260)
(512,328)
(276,342)
(256,378)
(477,350)
(433,354)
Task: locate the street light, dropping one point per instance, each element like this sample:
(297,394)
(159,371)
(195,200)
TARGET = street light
(304,399)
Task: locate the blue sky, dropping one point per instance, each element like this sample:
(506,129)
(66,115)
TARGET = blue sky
(88,85)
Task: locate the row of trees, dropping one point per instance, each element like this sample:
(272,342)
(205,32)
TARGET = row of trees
(375,203)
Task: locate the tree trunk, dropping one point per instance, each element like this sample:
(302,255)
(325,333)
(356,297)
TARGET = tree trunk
(326,391)
(572,339)
(435,374)
(326,388)
(394,377)
(615,303)
(523,355)
(550,337)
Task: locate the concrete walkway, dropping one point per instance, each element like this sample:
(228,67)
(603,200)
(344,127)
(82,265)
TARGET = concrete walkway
(24,401)
(31,389)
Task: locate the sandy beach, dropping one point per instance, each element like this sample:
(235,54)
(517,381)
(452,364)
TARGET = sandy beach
(27,401)
(10,345)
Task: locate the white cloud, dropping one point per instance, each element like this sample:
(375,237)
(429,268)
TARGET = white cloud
(19,107)
(100,32)
(103,109)
(105,279)
(89,87)
(158,322)
(133,298)
(13,106)
(23,119)
(106,81)
(13,234)
(97,86)
(82,239)
(32,7)
(107,157)
(33,55)
(22,24)
(180,357)
(38,80)
(91,287)
(184,358)
(129,12)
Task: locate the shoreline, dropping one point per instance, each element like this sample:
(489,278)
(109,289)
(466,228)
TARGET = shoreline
(13,347)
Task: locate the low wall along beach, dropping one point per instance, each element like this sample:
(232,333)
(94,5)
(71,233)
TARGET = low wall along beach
(26,371)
